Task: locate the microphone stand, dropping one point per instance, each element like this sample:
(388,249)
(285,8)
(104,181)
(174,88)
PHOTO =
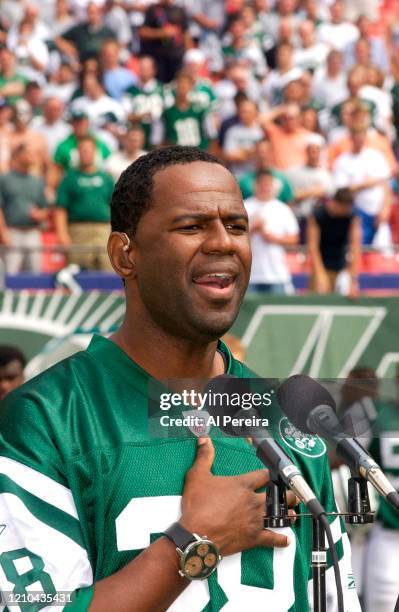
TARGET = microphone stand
(277,516)
(319,566)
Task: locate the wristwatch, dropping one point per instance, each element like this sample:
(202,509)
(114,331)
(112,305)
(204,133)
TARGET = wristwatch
(198,556)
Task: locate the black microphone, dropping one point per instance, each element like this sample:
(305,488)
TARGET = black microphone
(231,420)
(310,407)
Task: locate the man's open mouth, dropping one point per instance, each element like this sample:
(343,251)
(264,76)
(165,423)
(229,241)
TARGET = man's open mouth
(218,280)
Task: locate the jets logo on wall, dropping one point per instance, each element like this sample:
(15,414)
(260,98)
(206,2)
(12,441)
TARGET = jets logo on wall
(300,442)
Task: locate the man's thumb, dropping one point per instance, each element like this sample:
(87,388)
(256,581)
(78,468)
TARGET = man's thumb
(205,453)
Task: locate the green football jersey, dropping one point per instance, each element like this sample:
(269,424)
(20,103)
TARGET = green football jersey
(185,127)
(202,96)
(384,447)
(146,102)
(84,489)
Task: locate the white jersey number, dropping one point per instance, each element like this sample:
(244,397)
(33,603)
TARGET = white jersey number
(146,515)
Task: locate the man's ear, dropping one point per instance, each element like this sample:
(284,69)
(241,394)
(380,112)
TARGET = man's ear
(121,254)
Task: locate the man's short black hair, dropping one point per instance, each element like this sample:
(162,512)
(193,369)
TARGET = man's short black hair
(10,353)
(133,191)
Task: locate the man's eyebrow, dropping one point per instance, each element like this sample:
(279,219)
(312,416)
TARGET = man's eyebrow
(207,217)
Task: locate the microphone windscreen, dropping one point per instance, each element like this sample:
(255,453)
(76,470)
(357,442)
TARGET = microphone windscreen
(298,395)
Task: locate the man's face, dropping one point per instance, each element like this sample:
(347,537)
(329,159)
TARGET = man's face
(87,153)
(247,112)
(193,254)
(80,126)
(27,157)
(290,120)
(93,14)
(146,69)
(11,377)
(53,109)
(7,61)
(184,86)
(133,141)
(264,154)
(264,188)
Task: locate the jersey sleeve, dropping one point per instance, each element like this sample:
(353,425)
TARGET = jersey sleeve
(42,548)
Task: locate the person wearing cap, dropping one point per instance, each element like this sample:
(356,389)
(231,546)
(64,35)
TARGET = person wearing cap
(66,155)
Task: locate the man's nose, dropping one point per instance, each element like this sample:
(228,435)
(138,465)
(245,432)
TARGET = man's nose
(218,240)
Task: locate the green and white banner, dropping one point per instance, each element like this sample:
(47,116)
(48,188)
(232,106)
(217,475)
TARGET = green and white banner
(322,336)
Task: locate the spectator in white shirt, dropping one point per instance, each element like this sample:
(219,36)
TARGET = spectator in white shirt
(30,51)
(310,182)
(51,124)
(273,226)
(96,103)
(62,83)
(240,141)
(366,172)
(132,148)
(311,54)
(285,72)
(338,34)
(329,84)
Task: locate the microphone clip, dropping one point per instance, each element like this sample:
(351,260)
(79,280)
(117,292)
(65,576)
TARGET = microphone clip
(359,510)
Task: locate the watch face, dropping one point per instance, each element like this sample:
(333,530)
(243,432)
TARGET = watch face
(199,560)
(193,566)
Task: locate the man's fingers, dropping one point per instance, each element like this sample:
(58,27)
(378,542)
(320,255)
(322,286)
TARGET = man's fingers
(256,479)
(205,454)
(271,539)
(292,499)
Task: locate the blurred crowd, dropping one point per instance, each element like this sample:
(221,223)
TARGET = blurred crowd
(299,97)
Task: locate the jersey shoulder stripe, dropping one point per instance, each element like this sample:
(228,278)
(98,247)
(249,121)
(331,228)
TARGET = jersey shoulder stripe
(36,483)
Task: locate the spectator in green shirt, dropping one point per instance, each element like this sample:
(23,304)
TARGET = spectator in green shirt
(12,84)
(66,156)
(283,189)
(82,210)
(22,210)
(184,122)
